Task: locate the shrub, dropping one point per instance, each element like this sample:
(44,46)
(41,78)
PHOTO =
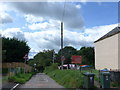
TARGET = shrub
(67,78)
(21,78)
(4,71)
(115,84)
(51,68)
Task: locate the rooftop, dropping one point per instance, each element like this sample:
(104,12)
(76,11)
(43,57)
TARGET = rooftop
(109,34)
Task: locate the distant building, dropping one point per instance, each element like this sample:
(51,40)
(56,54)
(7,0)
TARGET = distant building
(107,50)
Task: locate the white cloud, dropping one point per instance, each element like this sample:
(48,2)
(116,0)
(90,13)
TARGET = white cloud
(52,10)
(78,6)
(3,7)
(98,31)
(50,39)
(4,16)
(46,18)
(50,24)
(38,26)
(33,19)
(43,40)
(13,32)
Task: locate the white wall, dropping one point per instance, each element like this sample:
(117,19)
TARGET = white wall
(118,50)
(106,53)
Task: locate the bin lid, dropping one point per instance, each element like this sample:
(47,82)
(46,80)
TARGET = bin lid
(89,74)
(105,73)
(104,70)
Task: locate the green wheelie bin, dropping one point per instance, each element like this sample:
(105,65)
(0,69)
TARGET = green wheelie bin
(105,79)
(88,80)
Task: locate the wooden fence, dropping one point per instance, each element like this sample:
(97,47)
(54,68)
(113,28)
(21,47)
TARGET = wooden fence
(17,64)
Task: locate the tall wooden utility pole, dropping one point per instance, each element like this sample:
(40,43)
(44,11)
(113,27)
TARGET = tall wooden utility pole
(62,61)
(53,56)
(119,14)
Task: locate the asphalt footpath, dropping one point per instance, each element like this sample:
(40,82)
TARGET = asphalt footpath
(8,86)
(40,81)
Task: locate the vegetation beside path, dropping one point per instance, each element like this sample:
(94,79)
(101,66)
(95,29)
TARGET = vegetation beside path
(68,78)
(21,78)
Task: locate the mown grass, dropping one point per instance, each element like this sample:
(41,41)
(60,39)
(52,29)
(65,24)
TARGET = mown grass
(21,78)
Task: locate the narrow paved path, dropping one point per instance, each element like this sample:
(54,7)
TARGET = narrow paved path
(41,80)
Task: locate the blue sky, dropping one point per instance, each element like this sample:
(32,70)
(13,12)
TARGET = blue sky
(96,14)
(39,23)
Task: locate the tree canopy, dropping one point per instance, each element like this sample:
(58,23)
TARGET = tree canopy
(42,59)
(87,54)
(13,50)
(67,52)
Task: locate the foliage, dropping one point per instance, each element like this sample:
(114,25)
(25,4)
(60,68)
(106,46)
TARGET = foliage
(42,59)
(96,77)
(115,84)
(21,78)
(4,71)
(69,78)
(4,79)
(51,68)
(67,52)
(13,50)
(87,54)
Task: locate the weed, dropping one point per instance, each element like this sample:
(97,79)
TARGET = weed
(21,78)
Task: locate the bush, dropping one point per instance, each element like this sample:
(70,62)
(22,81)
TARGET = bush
(4,71)
(51,68)
(21,78)
(115,84)
(67,78)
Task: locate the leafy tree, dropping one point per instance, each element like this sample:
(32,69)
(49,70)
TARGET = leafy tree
(67,52)
(87,54)
(42,59)
(13,50)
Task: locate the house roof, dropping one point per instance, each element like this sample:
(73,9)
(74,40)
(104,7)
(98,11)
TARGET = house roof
(109,34)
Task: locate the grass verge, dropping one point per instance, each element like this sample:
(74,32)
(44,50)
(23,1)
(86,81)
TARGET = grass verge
(115,84)
(4,79)
(21,78)
(68,78)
